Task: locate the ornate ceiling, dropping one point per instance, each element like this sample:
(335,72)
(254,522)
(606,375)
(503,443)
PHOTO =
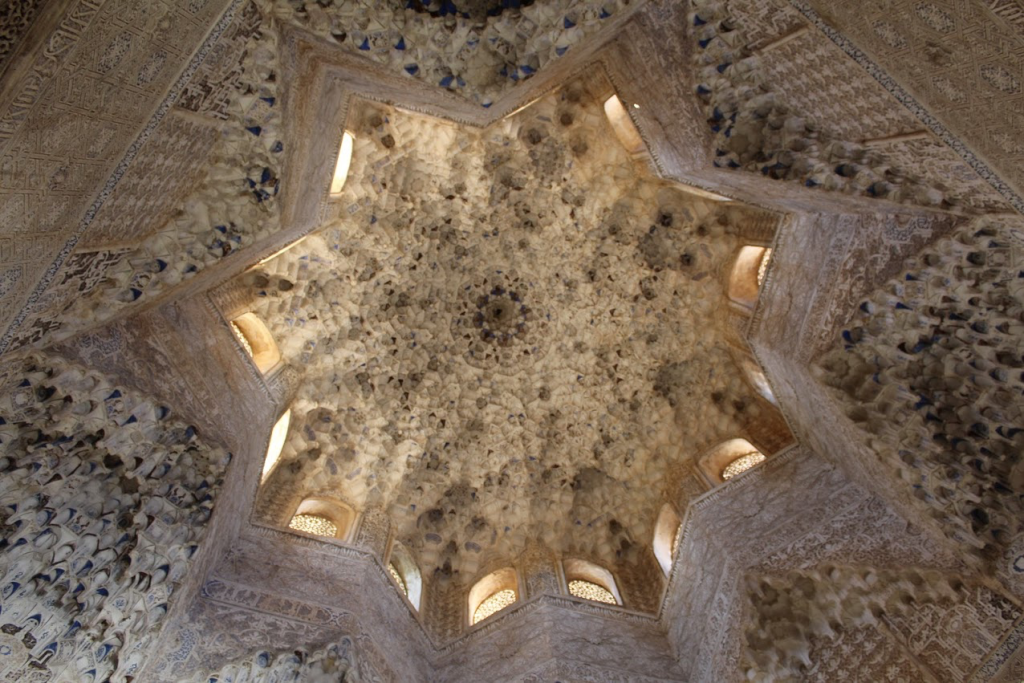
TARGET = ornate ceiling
(512,339)
(513,333)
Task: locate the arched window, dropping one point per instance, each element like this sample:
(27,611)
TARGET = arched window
(625,129)
(742,464)
(747,274)
(591,582)
(314,524)
(730,459)
(591,591)
(341,167)
(666,531)
(492,594)
(257,341)
(323,517)
(278,436)
(405,573)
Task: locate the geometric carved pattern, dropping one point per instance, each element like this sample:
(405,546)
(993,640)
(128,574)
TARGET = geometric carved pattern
(956,639)
(219,78)
(941,166)
(538,566)
(73,106)
(641,583)
(374,531)
(941,50)
(78,275)
(865,650)
(789,611)
(854,253)
(15,20)
(169,166)
(211,223)
(1010,11)
(765,21)
(819,80)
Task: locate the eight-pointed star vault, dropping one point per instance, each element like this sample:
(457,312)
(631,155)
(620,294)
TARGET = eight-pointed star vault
(512,333)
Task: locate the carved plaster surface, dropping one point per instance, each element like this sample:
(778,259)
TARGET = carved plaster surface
(509,341)
(106,499)
(96,79)
(451,297)
(951,329)
(966,66)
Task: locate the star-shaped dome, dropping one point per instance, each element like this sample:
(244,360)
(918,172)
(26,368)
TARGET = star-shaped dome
(511,333)
(462,339)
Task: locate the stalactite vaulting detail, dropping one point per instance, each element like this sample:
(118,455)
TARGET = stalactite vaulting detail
(105,500)
(437,306)
(471,48)
(335,663)
(933,370)
(789,611)
(556,340)
(757,130)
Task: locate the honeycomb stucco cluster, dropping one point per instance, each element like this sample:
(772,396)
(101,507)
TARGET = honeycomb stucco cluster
(106,498)
(933,372)
(757,129)
(510,336)
(333,663)
(477,54)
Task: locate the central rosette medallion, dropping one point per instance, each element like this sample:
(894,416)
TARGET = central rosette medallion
(496,321)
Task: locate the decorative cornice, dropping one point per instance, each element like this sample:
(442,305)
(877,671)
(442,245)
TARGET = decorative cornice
(323,545)
(209,592)
(521,609)
(783,231)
